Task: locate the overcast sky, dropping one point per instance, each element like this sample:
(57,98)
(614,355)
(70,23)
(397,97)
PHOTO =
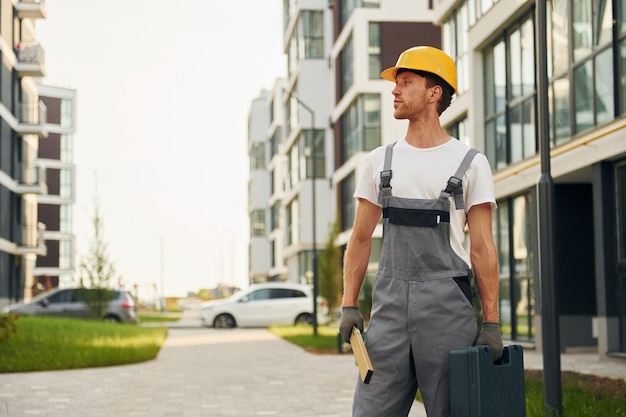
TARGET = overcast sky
(163,95)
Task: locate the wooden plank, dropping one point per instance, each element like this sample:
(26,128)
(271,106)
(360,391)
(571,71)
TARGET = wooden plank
(362,357)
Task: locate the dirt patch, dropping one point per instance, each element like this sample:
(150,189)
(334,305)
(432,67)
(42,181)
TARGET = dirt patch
(601,386)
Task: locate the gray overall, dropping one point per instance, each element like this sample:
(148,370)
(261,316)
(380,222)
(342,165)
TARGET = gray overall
(422,304)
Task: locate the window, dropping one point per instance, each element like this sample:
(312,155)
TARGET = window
(287,293)
(313,34)
(66,113)
(455,39)
(67,148)
(620,181)
(584,72)
(64,296)
(510,96)
(460,130)
(65,221)
(360,126)
(513,237)
(347,67)
(314,150)
(65,186)
(260,295)
(65,254)
(274,218)
(375,62)
(292,234)
(257,156)
(257,223)
(347,201)
(346,7)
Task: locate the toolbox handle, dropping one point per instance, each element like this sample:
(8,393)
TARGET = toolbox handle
(505,360)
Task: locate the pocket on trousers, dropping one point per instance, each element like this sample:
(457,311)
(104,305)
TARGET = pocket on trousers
(464,285)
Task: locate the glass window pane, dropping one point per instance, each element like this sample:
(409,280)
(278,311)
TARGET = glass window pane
(490,142)
(622,76)
(501,143)
(583,96)
(516,64)
(561,115)
(528,57)
(375,64)
(621,13)
(604,22)
(620,181)
(502,239)
(506,321)
(490,94)
(581,26)
(528,116)
(560,24)
(499,75)
(523,301)
(516,134)
(521,235)
(522,131)
(604,87)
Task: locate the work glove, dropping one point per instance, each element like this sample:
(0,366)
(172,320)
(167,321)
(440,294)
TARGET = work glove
(490,336)
(350,317)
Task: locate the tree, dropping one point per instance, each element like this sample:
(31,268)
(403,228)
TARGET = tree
(97,271)
(330,270)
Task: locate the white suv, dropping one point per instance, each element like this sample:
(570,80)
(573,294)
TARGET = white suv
(263,305)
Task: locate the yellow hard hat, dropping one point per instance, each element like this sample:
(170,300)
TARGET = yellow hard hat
(427,59)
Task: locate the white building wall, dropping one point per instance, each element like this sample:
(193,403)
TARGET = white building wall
(259,187)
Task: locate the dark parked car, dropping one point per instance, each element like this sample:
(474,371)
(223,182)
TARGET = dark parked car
(85,303)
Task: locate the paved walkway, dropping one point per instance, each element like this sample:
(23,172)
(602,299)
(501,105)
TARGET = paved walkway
(205,372)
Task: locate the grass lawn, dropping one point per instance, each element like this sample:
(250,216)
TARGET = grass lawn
(582,395)
(50,343)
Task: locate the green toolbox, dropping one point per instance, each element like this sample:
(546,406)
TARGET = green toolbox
(480,387)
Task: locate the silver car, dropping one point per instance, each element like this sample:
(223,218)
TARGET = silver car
(84,303)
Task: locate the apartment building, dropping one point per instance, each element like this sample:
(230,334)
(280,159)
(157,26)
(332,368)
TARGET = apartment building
(22,125)
(55,208)
(298,209)
(259,247)
(495,47)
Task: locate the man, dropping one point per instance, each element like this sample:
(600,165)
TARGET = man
(428,187)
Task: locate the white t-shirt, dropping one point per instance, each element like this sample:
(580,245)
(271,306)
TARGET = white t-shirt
(423,173)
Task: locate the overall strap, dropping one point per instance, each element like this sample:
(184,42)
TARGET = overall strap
(455,183)
(385,175)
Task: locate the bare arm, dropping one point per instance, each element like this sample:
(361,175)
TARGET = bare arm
(358,250)
(484,260)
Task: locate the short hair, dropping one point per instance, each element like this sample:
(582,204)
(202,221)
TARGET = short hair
(431,81)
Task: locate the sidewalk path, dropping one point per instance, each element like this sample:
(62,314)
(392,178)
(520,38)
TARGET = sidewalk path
(204,372)
(199,372)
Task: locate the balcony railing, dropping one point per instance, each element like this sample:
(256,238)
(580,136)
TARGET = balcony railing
(31,9)
(32,179)
(32,119)
(30,59)
(32,240)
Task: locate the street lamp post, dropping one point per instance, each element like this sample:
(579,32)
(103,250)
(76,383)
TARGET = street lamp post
(313,207)
(546,206)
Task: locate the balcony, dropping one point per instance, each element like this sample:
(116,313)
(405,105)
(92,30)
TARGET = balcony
(32,240)
(31,9)
(32,180)
(32,119)
(30,59)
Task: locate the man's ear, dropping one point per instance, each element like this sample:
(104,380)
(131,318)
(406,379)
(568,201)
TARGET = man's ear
(436,92)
